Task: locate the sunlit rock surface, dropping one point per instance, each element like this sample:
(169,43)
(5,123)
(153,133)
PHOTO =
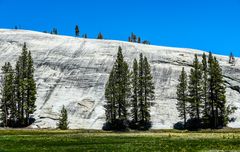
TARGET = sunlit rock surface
(73,72)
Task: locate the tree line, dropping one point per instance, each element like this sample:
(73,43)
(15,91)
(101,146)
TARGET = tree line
(201,95)
(18,91)
(128,95)
(137,39)
(132,38)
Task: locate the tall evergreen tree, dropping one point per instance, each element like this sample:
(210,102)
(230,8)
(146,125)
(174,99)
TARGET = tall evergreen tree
(122,88)
(18,91)
(30,89)
(121,93)
(25,87)
(145,92)
(23,68)
(7,101)
(219,112)
(11,95)
(134,97)
(77,31)
(212,81)
(182,96)
(110,95)
(148,89)
(141,90)
(17,78)
(206,108)
(195,91)
(63,119)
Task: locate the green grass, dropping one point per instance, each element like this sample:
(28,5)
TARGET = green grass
(91,140)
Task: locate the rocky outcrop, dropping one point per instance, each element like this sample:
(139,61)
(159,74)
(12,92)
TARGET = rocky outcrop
(73,72)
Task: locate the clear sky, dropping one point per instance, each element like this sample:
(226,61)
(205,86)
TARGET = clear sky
(210,25)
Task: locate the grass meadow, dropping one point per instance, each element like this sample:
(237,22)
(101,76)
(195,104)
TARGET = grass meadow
(93,140)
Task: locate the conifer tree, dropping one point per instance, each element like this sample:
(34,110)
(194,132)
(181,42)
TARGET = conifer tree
(141,90)
(122,88)
(17,79)
(117,96)
(139,40)
(206,108)
(100,36)
(220,97)
(145,92)
(23,68)
(110,95)
(11,95)
(148,89)
(30,89)
(195,91)
(129,39)
(7,101)
(182,96)
(134,97)
(212,81)
(18,91)
(54,31)
(133,37)
(146,42)
(25,87)
(85,36)
(218,111)
(63,119)
(77,31)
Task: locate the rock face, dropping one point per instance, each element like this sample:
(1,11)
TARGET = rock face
(73,72)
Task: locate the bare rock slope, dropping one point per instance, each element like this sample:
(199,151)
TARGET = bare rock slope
(73,72)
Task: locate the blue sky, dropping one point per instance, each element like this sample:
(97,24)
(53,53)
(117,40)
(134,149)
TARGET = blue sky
(210,25)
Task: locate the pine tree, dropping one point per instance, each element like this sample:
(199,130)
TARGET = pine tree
(145,92)
(120,93)
(134,97)
(148,89)
(110,95)
(30,89)
(23,63)
(133,37)
(129,39)
(63,119)
(54,31)
(18,91)
(220,91)
(141,90)
(122,89)
(77,31)
(17,78)
(217,98)
(11,95)
(182,96)
(146,42)
(100,36)
(139,40)
(25,87)
(7,101)
(195,91)
(206,108)
(85,36)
